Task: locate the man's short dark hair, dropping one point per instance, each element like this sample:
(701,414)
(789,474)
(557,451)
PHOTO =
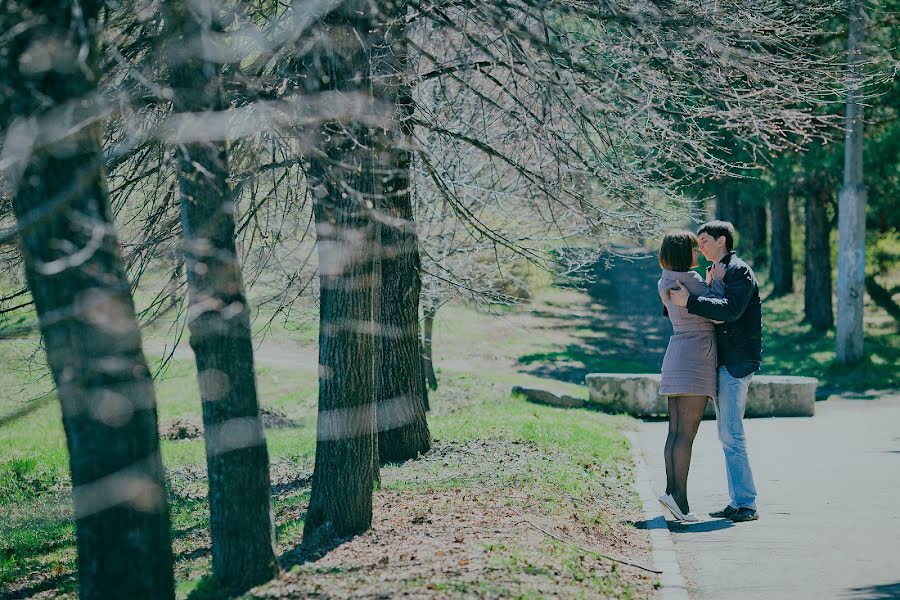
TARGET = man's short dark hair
(716,229)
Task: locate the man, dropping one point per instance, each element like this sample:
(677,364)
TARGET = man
(739,340)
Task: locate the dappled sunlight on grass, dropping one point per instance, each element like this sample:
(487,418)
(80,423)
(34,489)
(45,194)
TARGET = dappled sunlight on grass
(568,461)
(792,347)
(577,454)
(604,333)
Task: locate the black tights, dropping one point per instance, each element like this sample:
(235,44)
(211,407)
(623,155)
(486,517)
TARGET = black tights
(685,414)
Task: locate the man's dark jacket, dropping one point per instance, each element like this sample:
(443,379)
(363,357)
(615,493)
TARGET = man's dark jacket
(739,337)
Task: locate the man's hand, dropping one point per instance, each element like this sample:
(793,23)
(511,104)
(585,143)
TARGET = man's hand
(679,295)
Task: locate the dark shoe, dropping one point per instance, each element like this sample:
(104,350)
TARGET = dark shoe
(743,515)
(725,513)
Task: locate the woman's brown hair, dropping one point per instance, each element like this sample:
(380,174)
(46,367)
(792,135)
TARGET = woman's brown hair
(676,253)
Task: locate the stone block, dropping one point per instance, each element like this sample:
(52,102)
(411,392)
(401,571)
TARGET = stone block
(637,394)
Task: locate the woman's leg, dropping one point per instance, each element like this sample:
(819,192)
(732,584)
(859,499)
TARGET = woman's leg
(670,444)
(690,412)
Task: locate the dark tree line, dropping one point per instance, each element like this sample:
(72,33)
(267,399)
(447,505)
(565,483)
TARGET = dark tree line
(809,178)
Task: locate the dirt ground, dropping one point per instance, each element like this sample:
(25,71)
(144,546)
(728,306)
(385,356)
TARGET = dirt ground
(471,519)
(483,539)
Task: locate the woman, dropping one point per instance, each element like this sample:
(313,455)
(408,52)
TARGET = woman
(689,367)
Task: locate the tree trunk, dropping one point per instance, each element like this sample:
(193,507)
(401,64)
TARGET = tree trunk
(759,237)
(402,427)
(743,224)
(427,348)
(423,378)
(346,446)
(342,180)
(782,265)
(81,293)
(726,202)
(243,538)
(817,290)
(852,205)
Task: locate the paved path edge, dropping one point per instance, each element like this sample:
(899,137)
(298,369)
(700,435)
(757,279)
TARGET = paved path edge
(672,585)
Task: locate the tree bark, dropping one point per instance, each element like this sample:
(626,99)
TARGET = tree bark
(782,262)
(759,234)
(81,293)
(743,224)
(341,176)
(427,347)
(402,427)
(726,202)
(817,245)
(852,205)
(423,378)
(243,537)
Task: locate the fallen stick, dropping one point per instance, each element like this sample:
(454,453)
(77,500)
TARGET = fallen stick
(590,550)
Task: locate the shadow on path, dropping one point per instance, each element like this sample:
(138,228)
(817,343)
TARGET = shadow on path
(888,591)
(654,523)
(701,527)
(679,527)
(620,329)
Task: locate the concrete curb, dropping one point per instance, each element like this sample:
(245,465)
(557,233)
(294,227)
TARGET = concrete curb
(672,585)
(638,395)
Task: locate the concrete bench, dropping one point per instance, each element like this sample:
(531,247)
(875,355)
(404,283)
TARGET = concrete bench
(638,395)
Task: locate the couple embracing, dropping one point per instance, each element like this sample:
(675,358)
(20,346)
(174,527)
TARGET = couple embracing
(715,348)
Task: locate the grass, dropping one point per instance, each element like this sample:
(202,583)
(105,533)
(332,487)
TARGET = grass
(577,455)
(568,458)
(792,347)
(587,448)
(610,332)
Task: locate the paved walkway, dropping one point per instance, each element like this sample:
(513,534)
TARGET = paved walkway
(829,499)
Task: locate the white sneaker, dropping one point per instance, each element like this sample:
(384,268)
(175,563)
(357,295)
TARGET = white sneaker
(669,503)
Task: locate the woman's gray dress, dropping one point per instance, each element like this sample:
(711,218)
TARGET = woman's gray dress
(689,367)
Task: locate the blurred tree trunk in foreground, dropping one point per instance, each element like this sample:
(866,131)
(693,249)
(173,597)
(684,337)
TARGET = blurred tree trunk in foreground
(74,270)
(243,538)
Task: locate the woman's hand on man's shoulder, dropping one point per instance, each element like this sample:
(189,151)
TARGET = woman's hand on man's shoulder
(717,271)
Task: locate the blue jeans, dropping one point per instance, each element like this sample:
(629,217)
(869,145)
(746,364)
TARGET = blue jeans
(730,407)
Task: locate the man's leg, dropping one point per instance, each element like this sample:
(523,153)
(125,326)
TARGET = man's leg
(730,407)
(728,477)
